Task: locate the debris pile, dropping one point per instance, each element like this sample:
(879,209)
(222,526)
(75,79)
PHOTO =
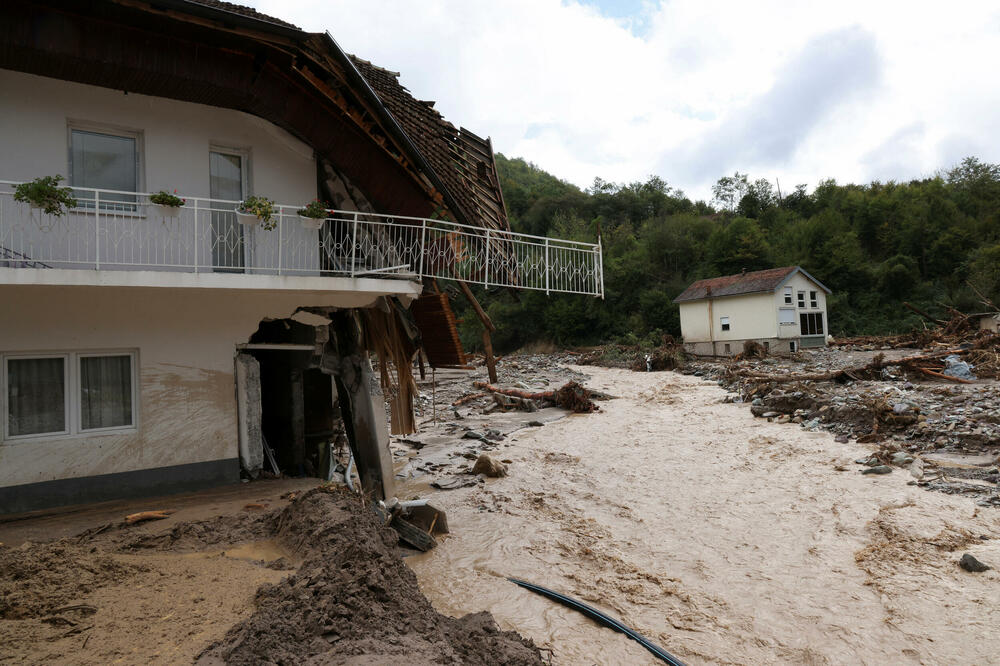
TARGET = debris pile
(907,403)
(669,355)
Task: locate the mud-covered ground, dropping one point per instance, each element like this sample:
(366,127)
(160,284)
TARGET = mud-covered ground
(725,538)
(318,580)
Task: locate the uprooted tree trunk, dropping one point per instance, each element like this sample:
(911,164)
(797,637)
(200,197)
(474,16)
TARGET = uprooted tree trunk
(571,396)
(915,363)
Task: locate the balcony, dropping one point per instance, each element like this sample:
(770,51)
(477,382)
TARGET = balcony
(122,231)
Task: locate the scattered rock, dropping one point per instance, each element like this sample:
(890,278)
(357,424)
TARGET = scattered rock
(474,434)
(901,459)
(535,424)
(969,563)
(454,482)
(490,467)
(878,469)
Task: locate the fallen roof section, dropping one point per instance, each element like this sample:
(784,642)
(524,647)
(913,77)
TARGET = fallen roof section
(461,159)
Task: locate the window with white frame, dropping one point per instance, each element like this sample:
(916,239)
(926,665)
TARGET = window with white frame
(812,299)
(811,323)
(802,299)
(68,393)
(36,395)
(106,160)
(788,295)
(786,316)
(724,322)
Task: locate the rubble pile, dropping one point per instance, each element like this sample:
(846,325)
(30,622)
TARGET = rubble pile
(462,417)
(669,355)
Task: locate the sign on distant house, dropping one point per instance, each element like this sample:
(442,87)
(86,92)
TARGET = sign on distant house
(784,309)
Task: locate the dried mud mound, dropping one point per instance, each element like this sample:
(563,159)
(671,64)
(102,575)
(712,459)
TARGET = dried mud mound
(354,601)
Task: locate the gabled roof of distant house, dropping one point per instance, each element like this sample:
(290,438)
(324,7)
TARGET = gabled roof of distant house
(743,283)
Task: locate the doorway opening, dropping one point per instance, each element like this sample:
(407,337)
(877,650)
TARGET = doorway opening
(299,416)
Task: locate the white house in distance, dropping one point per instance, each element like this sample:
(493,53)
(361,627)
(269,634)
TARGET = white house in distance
(147,349)
(784,309)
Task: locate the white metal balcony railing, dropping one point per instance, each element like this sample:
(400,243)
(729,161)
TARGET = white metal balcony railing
(114,230)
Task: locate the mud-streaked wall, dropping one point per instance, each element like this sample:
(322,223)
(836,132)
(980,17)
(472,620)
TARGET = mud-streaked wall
(185,341)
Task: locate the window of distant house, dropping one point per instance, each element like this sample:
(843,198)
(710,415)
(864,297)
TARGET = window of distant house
(727,349)
(788,295)
(786,316)
(802,299)
(725,323)
(812,299)
(104,160)
(71,393)
(811,323)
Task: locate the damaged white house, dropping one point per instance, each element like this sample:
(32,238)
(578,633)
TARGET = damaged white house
(784,309)
(148,347)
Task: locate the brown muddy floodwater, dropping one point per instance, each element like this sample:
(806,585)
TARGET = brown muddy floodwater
(723,538)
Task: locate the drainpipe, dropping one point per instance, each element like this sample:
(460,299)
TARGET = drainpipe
(711,321)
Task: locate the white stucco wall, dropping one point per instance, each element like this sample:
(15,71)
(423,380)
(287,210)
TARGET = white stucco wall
(186,341)
(800,282)
(750,317)
(694,321)
(176,137)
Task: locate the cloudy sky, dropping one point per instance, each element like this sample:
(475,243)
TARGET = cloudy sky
(691,90)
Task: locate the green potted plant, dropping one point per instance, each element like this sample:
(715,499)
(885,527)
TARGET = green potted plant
(313,215)
(45,194)
(256,210)
(165,203)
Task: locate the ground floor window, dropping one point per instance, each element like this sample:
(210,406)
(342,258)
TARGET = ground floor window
(36,396)
(105,391)
(68,393)
(811,323)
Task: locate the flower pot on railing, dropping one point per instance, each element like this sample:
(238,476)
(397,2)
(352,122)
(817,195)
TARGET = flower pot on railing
(312,223)
(248,219)
(166,205)
(256,210)
(313,215)
(44,195)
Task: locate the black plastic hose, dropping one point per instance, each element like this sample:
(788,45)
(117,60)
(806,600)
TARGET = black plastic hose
(600,617)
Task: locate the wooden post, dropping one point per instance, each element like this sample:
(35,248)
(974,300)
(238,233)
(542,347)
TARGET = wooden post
(488,328)
(491,364)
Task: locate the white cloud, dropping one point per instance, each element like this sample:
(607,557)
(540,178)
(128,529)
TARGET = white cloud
(694,89)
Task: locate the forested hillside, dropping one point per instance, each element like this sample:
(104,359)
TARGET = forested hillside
(874,245)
